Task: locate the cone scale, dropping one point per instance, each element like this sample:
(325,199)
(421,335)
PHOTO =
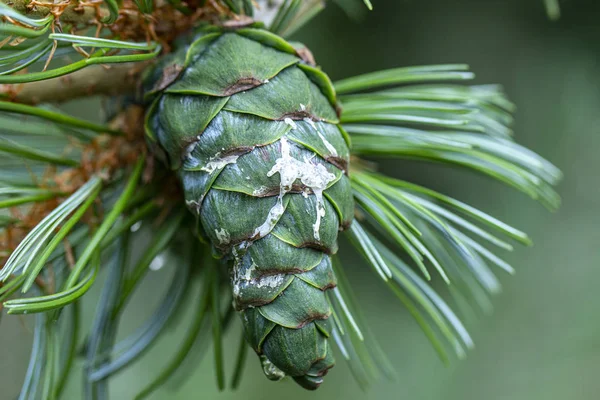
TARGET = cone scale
(252,131)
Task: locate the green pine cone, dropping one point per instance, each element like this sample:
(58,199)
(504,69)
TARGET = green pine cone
(252,130)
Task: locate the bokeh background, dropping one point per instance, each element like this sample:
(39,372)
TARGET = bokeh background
(543,339)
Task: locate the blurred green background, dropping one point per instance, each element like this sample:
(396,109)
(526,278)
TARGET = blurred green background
(543,340)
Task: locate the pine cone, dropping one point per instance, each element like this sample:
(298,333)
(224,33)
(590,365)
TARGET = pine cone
(252,131)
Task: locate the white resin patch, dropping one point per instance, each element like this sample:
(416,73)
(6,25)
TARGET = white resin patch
(246,279)
(290,122)
(314,176)
(216,163)
(260,191)
(328,145)
(274,214)
(268,281)
(238,253)
(222,236)
(320,214)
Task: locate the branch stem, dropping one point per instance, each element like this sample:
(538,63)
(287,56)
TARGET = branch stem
(94,80)
(72,13)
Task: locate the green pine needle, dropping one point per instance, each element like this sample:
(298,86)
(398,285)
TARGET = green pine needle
(127,351)
(188,342)
(216,324)
(24,255)
(423,113)
(240,362)
(55,301)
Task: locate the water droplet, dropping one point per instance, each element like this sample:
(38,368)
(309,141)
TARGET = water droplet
(157,263)
(136,227)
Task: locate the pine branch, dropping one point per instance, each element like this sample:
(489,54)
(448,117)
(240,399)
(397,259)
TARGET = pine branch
(74,13)
(88,196)
(96,80)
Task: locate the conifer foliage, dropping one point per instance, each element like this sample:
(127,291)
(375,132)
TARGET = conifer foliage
(231,158)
